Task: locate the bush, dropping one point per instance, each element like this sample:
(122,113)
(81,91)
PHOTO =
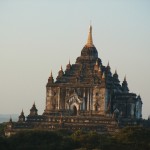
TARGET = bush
(130,138)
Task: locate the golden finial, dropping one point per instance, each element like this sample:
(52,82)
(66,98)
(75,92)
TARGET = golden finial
(90,40)
(51,74)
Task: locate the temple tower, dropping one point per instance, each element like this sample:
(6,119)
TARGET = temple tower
(88,87)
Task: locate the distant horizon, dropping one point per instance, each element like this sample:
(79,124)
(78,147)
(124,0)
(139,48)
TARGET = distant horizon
(6,117)
(37,37)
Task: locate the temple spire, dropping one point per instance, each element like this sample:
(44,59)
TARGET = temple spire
(10,120)
(51,75)
(50,79)
(103,76)
(61,68)
(125,78)
(108,64)
(68,65)
(90,40)
(125,85)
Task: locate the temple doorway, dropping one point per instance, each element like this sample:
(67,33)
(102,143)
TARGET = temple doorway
(74,110)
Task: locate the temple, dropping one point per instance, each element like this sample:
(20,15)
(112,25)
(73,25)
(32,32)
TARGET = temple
(87,96)
(89,87)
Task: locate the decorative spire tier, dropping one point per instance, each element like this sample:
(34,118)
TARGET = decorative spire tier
(21,117)
(60,73)
(51,79)
(115,75)
(90,40)
(89,53)
(33,110)
(68,65)
(125,86)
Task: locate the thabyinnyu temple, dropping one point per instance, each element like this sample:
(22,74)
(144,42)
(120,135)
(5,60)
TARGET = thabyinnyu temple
(84,96)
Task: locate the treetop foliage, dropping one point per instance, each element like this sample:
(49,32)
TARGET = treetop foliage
(131,138)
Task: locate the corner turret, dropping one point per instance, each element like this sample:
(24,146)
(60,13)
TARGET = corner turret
(116,82)
(51,79)
(68,66)
(60,73)
(33,110)
(21,117)
(125,88)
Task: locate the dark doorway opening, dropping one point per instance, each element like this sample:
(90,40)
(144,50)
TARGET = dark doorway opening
(96,108)
(74,110)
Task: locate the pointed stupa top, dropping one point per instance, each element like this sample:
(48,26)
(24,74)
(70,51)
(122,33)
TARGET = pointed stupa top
(22,112)
(61,68)
(60,73)
(125,78)
(51,75)
(33,107)
(108,64)
(125,86)
(10,120)
(115,75)
(68,65)
(50,79)
(90,40)
(33,110)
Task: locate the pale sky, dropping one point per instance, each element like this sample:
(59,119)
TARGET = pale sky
(37,36)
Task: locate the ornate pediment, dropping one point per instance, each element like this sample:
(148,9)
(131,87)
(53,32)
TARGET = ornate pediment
(74,98)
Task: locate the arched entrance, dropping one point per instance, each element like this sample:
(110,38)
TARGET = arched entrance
(74,110)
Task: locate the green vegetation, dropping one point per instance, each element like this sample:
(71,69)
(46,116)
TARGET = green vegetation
(129,138)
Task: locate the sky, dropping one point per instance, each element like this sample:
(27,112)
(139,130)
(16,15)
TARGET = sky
(37,36)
